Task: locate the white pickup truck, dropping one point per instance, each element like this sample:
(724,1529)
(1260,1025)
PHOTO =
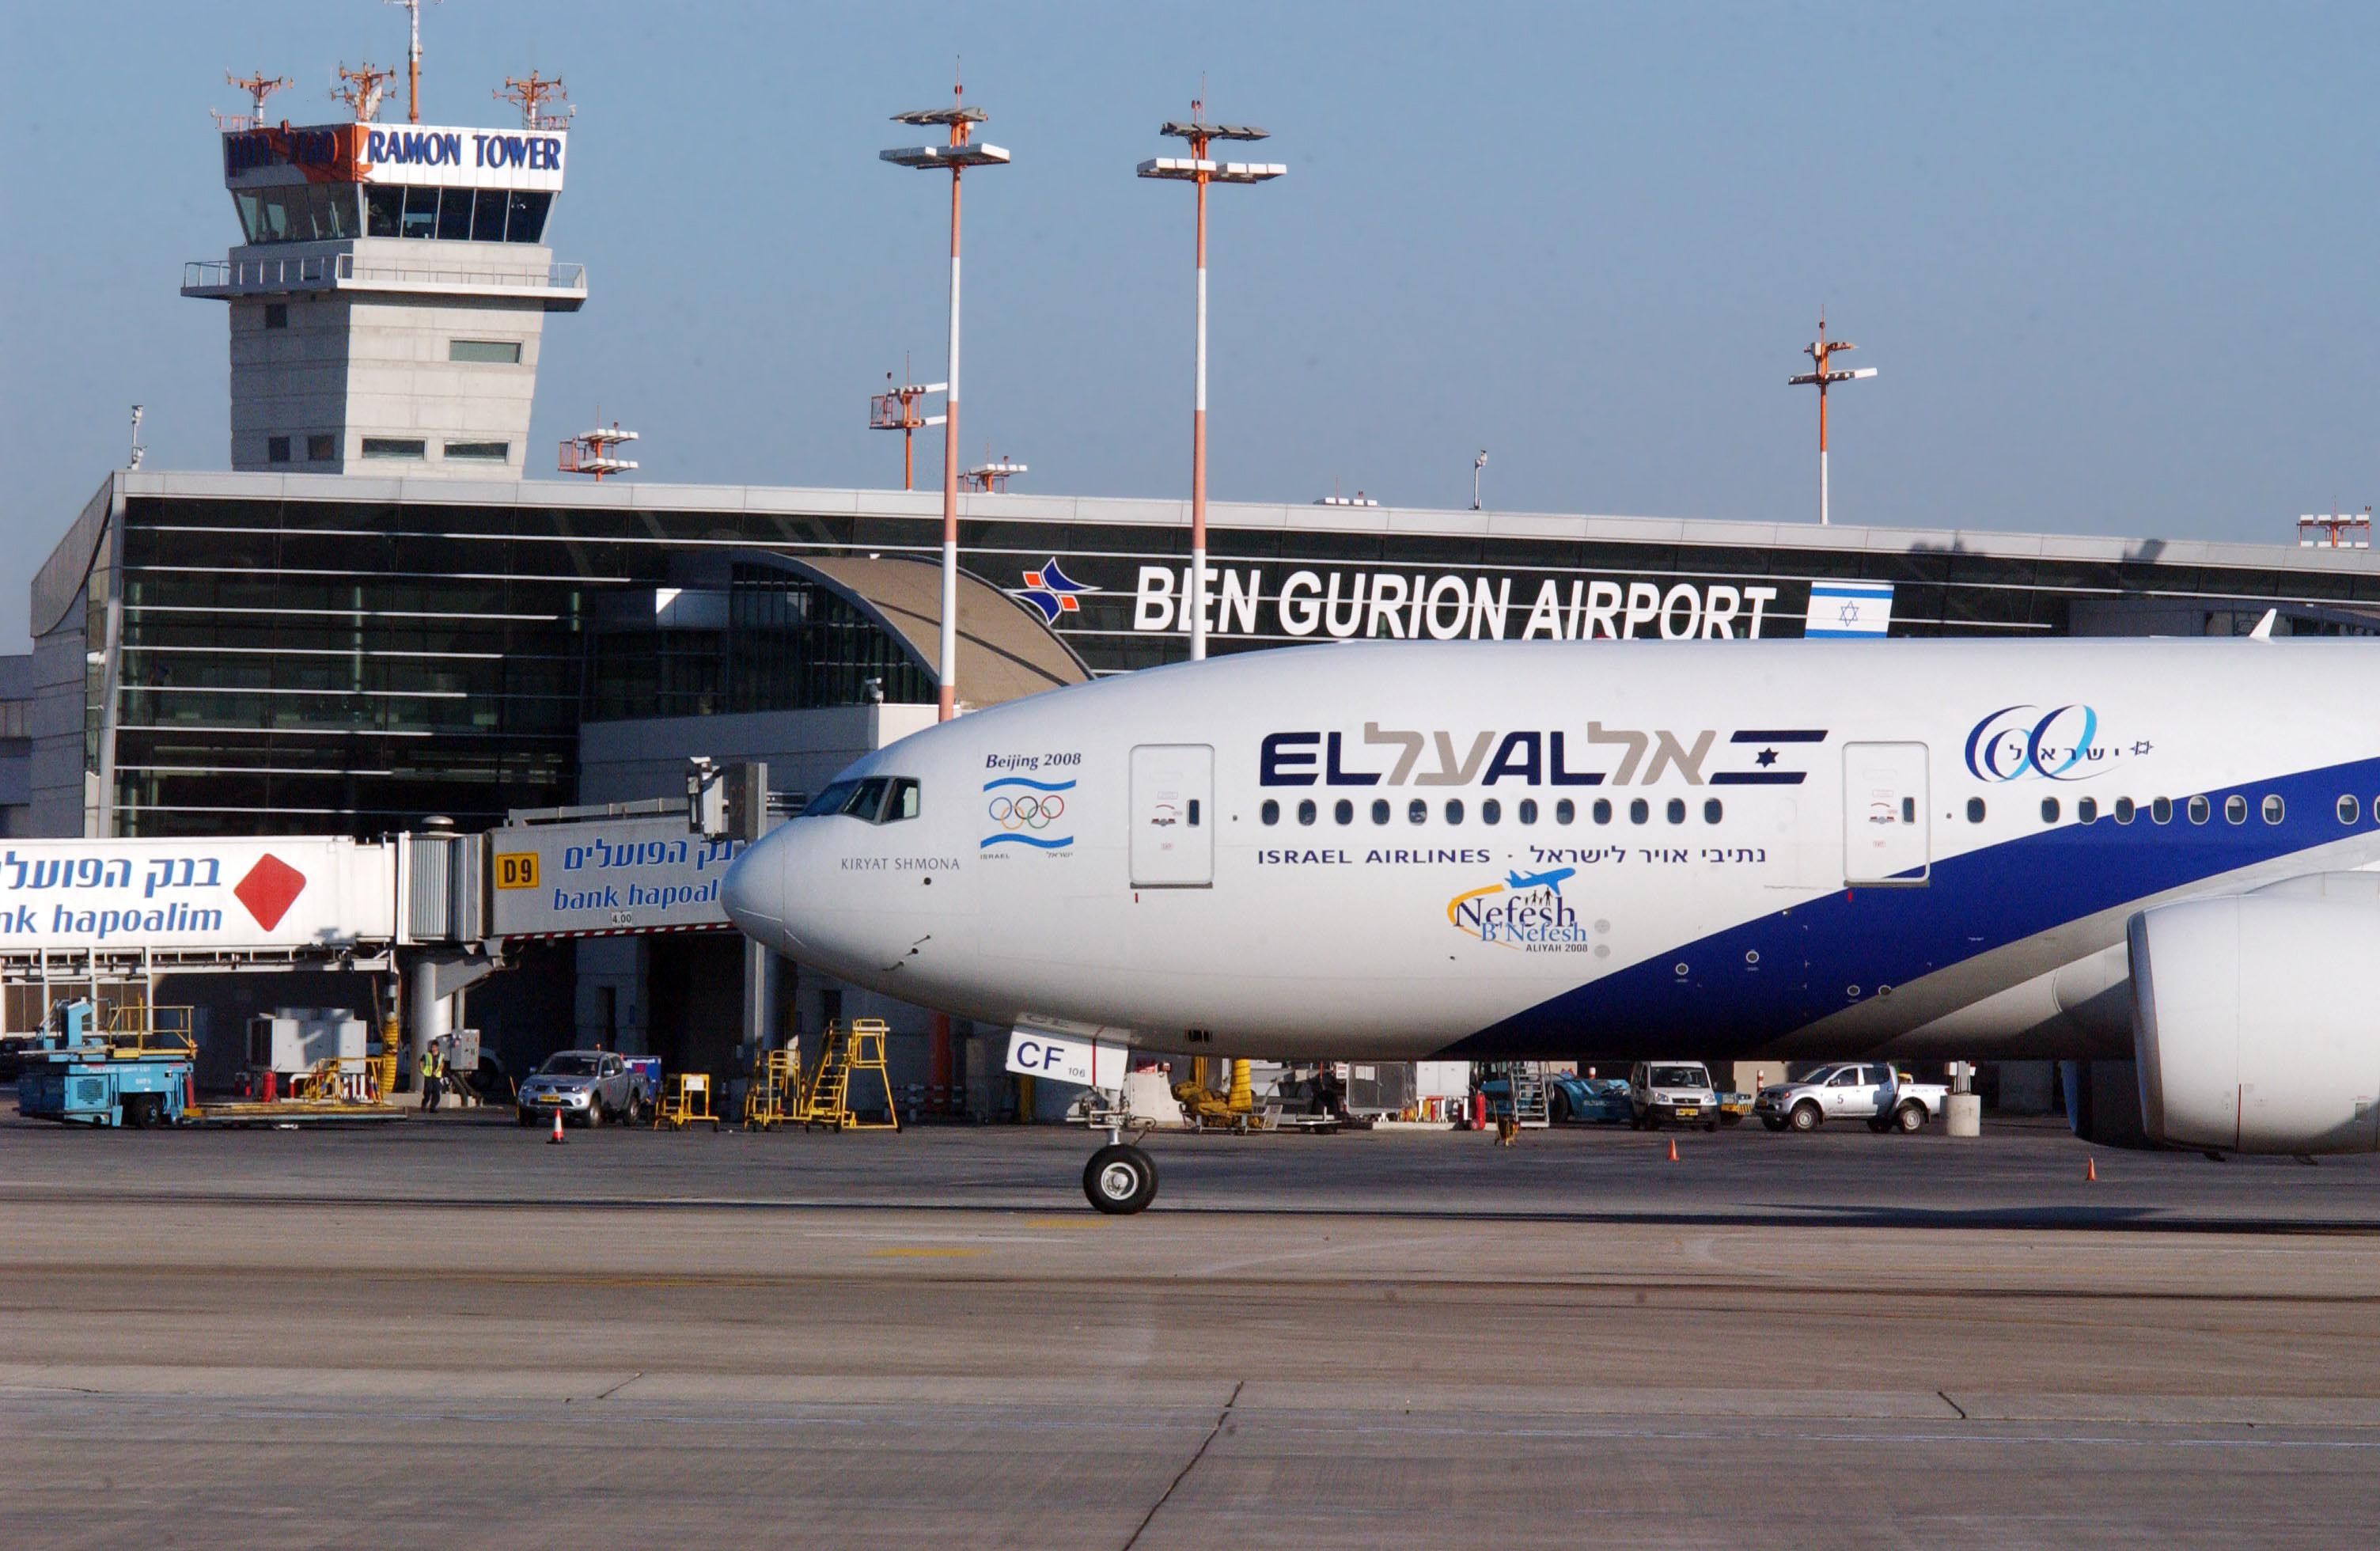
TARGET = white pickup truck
(1870,1091)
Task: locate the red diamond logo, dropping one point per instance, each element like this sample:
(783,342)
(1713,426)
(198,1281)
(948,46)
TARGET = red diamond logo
(269,889)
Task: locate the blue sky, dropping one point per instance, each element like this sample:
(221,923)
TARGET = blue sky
(2114,262)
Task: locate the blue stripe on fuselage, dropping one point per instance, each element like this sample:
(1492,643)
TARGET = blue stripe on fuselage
(1809,954)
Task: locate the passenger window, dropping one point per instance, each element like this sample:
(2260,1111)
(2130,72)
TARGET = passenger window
(1712,810)
(2086,810)
(2161,809)
(2348,810)
(1974,810)
(2124,810)
(1455,810)
(1909,810)
(2275,809)
(1639,811)
(1528,814)
(1344,811)
(1305,811)
(1379,810)
(2050,810)
(1417,812)
(1565,811)
(2199,811)
(1603,809)
(2235,809)
(1194,810)
(1492,812)
(1677,810)
(1269,813)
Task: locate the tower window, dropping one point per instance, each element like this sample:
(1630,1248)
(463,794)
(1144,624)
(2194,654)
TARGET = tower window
(479,452)
(321,447)
(395,447)
(276,315)
(276,449)
(493,351)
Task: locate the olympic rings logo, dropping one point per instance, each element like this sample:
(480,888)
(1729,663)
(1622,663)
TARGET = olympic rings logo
(1028,812)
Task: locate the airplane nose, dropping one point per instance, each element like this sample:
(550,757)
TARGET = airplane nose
(754,893)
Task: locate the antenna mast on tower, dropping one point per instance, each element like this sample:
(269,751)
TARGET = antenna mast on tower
(412,60)
(259,87)
(530,94)
(361,88)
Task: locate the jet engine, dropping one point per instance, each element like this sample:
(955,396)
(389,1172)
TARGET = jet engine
(2256,1022)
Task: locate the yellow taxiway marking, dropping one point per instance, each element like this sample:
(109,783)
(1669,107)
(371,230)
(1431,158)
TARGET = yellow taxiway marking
(921,1253)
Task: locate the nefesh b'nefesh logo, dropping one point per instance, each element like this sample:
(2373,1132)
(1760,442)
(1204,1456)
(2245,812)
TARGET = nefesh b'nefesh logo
(1524,912)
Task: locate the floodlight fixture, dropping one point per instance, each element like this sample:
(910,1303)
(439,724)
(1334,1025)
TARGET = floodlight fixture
(1821,351)
(1199,170)
(954,157)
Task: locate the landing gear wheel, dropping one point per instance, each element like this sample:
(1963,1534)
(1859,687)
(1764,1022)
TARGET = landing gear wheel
(1805,1117)
(1910,1118)
(1119,1180)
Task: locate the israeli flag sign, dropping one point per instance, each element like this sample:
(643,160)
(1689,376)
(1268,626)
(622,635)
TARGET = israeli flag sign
(1843,609)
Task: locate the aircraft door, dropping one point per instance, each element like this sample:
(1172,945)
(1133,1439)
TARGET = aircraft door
(1886,833)
(1172,816)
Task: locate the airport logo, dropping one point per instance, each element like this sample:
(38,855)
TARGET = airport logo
(1028,812)
(1052,593)
(1435,757)
(1525,913)
(2065,742)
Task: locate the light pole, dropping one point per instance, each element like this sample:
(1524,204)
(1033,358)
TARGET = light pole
(957,156)
(1818,350)
(1197,169)
(1476,465)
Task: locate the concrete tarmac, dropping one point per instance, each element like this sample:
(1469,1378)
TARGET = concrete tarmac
(451,1331)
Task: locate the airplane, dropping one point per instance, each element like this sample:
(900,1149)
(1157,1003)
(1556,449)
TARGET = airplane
(2074,848)
(1551,879)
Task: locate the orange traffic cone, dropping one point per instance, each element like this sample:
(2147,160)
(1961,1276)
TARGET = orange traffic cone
(1673,1149)
(2090,1170)
(557,1136)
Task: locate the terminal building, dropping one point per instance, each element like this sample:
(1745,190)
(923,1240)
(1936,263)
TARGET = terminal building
(377,618)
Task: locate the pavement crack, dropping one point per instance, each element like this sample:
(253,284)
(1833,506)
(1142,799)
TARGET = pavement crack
(627,1381)
(1183,1475)
(1953,1404)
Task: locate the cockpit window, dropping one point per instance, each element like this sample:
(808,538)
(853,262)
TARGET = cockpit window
(867,800)
(877,800)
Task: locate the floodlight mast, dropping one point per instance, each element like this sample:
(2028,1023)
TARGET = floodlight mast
(1823,378)
(1197,169)
(959,154)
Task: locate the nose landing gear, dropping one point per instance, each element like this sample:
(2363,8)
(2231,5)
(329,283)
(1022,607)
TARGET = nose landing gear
(1120,1177)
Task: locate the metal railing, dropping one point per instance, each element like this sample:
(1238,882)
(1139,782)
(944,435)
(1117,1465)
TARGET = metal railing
(340,271)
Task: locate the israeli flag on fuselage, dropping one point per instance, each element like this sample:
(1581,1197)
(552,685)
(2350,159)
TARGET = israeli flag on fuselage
(1841,609)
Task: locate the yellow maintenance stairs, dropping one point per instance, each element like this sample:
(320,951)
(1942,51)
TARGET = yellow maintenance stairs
(774,1096)
(857,1052)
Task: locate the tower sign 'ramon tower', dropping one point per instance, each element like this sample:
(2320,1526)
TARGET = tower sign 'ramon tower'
(388,297)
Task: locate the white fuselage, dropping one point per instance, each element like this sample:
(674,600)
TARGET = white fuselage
(1494,849)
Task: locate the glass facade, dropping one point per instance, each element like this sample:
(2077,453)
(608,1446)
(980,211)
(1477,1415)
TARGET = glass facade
(350,665)
(326,212)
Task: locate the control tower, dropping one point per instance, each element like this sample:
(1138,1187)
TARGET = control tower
(389,293)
